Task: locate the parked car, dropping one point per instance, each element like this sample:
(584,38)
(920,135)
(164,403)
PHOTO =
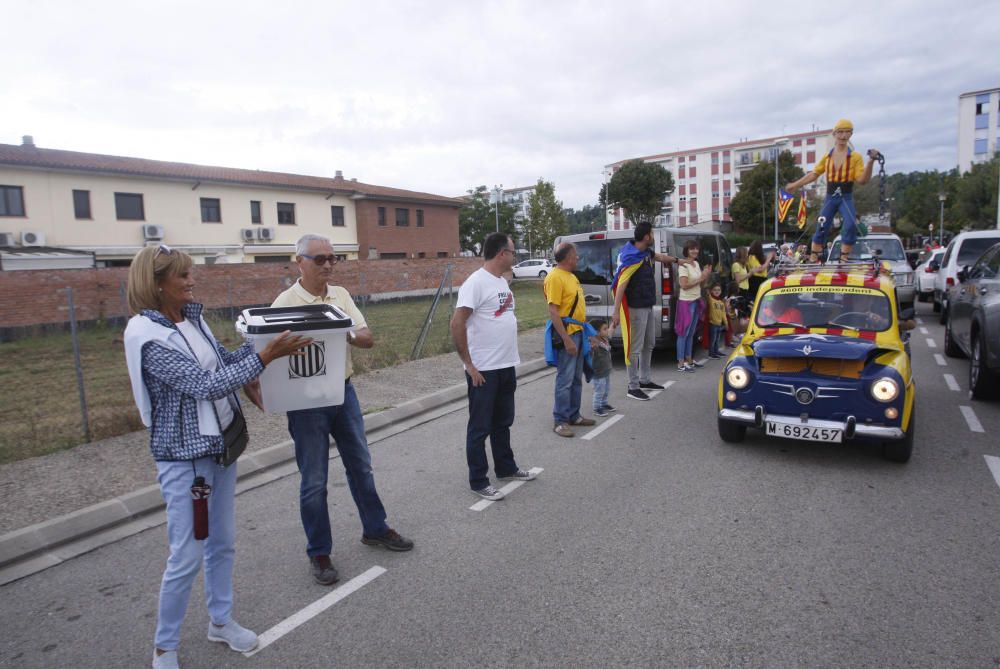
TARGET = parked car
(532,268)
(887,247)
(973,325)
(962,250)
(925,274)
(598,253)
(823,359)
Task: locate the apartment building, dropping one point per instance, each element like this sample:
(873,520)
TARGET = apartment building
(978,127)
(111,206)
(707,178)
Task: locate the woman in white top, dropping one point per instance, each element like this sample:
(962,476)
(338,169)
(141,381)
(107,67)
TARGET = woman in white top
(692,277)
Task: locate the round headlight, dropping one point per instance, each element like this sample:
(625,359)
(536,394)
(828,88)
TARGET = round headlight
(885,389)
(738,377)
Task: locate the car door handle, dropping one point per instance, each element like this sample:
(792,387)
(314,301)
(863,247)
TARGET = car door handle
(591,299)
(983,290)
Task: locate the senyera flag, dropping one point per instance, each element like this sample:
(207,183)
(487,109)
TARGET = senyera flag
(784,203)
(629,259)
(802,212)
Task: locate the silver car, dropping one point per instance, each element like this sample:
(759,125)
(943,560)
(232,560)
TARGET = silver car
(889,247)
(973,325)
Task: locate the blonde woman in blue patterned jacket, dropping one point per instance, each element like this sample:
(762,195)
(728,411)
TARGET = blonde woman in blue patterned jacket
(185,382)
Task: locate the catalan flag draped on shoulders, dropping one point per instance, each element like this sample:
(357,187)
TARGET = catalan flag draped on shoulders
(629,260)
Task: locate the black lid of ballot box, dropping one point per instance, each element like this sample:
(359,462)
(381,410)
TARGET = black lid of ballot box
(271,320)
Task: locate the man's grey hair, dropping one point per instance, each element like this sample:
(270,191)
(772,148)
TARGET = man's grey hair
(302,245)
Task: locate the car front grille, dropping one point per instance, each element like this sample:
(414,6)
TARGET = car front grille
(846,369)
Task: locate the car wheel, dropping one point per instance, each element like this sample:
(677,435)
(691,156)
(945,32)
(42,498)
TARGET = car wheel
(541,275)
(731,432)
(943,316)
(922,297)
(982,382)
(936,307)
(951,349)
(900,451)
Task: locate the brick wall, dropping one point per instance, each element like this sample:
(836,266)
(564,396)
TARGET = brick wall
(38,297)
(439,234)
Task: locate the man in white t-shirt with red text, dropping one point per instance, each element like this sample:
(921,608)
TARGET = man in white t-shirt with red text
(485,332)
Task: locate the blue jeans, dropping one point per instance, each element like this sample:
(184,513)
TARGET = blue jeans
(685,341)
(187,554)
(715,334)
(491,413)
(311,430)
(844,203)
(569,382)
(602,386)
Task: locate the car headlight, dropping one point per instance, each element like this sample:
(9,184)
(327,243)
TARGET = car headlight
(738,377)
(885,389)
(905,279)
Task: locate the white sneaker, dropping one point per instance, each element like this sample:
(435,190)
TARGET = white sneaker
(490,493)
(239,638)
(166,661)
(520,475)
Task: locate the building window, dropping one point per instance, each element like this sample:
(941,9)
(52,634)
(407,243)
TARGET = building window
(715,158)
(693,172)
(982,107)
(211,210)
(255,211)
(262,259)
(381,217)
(128,207)
(337,216)
(693,190)
(286,213)
(442,254)
(982,121)
(420,218)
(11,201)
(392,256)
(402,218)
(421,254)
(81,204)
(980,146)
(810,157)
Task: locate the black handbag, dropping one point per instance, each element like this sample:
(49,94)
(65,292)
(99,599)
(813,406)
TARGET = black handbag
(235,439)
(557,342)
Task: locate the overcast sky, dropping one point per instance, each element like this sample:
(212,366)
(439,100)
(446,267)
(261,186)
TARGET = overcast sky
(443,96)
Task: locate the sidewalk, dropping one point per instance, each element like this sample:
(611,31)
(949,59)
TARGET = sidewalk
(39,489)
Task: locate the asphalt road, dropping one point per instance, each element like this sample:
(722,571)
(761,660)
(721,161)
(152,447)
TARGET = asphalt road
(653,544)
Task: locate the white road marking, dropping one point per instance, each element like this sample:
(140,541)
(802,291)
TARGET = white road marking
(993,462)
(597,430)
(971,419)
(314,609)
(920,321)
(939,359)
(931,343)
(924,331)
(952,383)
(506,490)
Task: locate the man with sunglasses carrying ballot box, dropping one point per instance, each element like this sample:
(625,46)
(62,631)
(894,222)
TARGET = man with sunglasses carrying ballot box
(311,429)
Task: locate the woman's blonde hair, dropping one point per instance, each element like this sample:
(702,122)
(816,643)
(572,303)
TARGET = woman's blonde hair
(150,266)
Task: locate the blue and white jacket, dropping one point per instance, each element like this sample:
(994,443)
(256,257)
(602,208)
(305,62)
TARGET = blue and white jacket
(174,394)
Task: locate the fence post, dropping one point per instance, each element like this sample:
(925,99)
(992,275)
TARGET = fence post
(418,346)
(79,367)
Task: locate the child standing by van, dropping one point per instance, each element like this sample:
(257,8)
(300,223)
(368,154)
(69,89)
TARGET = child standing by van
(601,362)
(718,320)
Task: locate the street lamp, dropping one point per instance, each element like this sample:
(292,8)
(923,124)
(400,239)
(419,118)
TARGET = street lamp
(941,198)
(777,152)
(763,217)
(498,195)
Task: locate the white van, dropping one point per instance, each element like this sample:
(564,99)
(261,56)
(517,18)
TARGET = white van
(598,253)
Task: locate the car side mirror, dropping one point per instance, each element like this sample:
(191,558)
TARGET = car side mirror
(962,274)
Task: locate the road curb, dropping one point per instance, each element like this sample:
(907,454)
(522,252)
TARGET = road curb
(31,549)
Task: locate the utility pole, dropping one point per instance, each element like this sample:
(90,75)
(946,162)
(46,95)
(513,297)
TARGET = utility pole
(498,195)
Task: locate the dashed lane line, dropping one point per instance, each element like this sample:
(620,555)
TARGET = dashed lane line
(993,462)
(506,490)
(920,321)
(314,609)
(952,383)
(939,359)
(924,331)
(971,419)
(597,430)
(931,343)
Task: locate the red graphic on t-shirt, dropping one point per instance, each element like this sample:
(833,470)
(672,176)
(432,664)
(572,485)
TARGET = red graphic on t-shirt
(506,304)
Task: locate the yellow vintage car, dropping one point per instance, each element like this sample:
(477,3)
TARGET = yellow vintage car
(824,359)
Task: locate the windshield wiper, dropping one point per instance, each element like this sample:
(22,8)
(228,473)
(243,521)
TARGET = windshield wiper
(782,324)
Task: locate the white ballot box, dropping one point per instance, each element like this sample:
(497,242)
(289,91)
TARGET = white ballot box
(315,379)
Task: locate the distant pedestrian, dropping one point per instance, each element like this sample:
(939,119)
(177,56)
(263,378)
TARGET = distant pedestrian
(689,306)
(601,361)
(718,321)
(565,299)
(757,266)
(484,329)
(311,429)
(741,275)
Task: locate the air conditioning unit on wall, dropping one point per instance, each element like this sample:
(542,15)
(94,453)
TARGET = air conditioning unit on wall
(6,238)
(248,234)
(32,238)
(152,232)
(265,234)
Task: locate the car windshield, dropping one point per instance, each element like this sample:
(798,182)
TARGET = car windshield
(597,260)
(973,247)
(848,307)
(887,248)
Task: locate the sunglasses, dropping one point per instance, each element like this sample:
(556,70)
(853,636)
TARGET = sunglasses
(164,249)
(322,260)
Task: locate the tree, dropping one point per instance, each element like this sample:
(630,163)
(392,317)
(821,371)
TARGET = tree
(546,219)
(639,188)
(588,219)
(975,196)
(478,218)
(752,209)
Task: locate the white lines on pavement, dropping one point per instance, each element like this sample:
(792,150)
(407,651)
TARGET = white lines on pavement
(597,430)
(970,418)
(931,343)
(920,321)
(952,383)
(993,462)
(939,359)
(506,490)
(314,609)
(924,331)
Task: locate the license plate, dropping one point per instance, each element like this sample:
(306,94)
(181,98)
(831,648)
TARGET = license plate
(804,432)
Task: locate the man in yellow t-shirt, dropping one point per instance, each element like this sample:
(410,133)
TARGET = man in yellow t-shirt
(565,299)
(311,429)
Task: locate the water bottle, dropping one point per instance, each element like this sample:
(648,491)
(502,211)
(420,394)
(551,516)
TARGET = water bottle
(199,500)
